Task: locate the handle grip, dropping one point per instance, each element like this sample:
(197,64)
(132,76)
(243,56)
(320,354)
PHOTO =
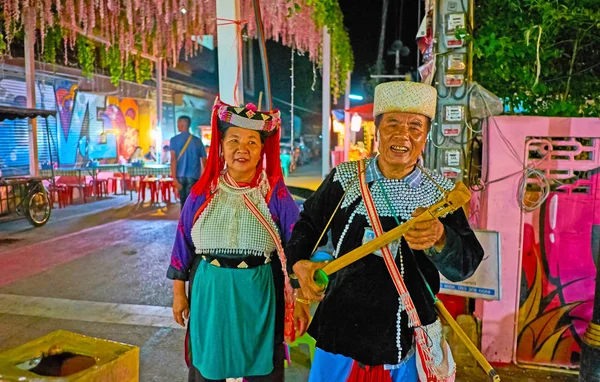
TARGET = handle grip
(321,278)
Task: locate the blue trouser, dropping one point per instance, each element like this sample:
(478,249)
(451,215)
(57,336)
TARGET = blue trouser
(186,187)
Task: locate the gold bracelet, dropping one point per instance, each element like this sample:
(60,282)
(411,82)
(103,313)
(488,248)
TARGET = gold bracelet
(303,301)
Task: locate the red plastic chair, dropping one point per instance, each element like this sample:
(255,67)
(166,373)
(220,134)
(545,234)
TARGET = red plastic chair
(152,184)
(166,186)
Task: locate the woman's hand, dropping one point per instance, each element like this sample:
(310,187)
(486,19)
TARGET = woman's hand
(181,307)
(301,318)
(305,271)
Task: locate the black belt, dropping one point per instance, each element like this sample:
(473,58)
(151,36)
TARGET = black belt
(240,262)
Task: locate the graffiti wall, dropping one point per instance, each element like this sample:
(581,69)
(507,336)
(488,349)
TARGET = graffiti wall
(88,126)
(96,127)
(561,243)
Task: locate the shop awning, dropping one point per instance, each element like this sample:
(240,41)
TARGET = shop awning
(365,111)
(9,112)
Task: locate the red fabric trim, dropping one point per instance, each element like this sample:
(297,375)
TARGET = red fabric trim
(368,374)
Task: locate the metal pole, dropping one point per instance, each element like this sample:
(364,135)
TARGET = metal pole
(347,120)
(50,152)
(30,86)
(292,107)
(159,112)
(263,52)
(326,93)
(229,57)
(419,3)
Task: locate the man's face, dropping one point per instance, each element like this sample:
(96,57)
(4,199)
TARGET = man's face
(402,137)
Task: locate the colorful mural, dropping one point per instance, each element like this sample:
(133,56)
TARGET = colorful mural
(560,259)
(89,126)
(97,127)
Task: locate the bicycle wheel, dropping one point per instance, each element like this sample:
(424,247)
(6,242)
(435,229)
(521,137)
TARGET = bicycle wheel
(38,209)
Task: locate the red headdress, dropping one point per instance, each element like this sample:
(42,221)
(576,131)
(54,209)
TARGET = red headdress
(247,117)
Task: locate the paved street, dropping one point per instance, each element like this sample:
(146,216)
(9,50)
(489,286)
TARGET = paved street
(106,280)
(99,269)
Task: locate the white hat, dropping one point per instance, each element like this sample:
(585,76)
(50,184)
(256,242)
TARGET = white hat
(405,96)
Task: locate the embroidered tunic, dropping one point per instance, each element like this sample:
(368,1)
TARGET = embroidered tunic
(236,315)
(361,316)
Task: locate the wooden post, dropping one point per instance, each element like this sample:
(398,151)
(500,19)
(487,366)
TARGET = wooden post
(229,38)
(29,17)
(263,54)
(326,130)
(347,119)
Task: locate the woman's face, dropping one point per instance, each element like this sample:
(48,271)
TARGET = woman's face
(242,150)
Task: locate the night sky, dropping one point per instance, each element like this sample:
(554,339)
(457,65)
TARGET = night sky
(364,25)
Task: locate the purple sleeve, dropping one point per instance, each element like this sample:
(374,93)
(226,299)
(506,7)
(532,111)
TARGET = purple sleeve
(284,210)
(183,252)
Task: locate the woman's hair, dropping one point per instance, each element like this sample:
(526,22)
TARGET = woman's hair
(224,126)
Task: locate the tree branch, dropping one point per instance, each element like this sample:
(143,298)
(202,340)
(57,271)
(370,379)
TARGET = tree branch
(571,69)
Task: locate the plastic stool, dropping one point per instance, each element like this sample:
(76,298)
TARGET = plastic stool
(307,340)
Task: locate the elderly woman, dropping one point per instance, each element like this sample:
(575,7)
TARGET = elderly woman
(377,320)
(229,247)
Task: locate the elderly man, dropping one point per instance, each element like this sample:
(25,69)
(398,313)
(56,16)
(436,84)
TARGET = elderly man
(365,330)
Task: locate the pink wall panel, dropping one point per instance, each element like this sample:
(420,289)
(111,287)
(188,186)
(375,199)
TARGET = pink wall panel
(499,211)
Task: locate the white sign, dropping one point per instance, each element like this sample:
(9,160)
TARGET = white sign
(485,283)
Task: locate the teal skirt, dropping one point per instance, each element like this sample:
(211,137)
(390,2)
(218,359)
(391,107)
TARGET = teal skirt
(232,321)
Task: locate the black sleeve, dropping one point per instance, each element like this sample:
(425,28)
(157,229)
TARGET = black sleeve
(462,253)
(317,210)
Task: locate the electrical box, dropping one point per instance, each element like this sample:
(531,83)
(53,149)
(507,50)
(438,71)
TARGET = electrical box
(452,157)
(456,63)
(454,80)
(454,22)
(454,113)
(451,172)
(451,129)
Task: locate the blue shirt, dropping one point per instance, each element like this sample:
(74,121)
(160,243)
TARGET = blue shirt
(189,163)
(373,173)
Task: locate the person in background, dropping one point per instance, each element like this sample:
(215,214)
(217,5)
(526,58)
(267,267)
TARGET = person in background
(286,160)
(151,155)
(188,158)
(136,156)
(166,155)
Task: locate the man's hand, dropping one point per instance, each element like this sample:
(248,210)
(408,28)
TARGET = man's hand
(181,309)
(305,271)
(301,318)
(176,184)
(426,234)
